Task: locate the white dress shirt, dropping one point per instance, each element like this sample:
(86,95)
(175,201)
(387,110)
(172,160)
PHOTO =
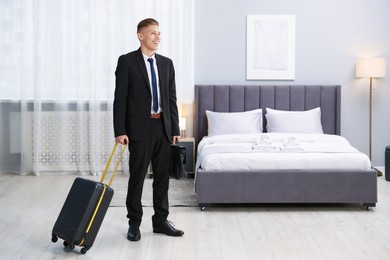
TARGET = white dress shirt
(147,63)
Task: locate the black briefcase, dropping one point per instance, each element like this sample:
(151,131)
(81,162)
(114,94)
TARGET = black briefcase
(84,209)
(177,159)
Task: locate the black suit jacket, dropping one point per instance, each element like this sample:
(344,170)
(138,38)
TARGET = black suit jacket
(132,103)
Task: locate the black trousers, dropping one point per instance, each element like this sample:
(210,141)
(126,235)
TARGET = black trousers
(154,149)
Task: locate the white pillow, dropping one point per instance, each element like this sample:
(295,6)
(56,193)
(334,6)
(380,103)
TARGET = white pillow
(234,122)
(279,121)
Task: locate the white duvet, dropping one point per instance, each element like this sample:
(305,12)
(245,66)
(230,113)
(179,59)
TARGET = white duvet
(276,151)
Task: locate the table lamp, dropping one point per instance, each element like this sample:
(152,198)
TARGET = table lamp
(182,126)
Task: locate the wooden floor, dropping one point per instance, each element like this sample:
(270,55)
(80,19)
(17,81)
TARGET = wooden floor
(30,205)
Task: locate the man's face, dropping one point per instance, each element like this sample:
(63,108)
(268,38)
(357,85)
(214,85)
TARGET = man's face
(150,37)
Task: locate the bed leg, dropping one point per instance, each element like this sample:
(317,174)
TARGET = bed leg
(368,205)
(202,206)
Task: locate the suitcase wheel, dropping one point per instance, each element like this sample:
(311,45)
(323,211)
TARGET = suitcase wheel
(67,244)
(84,250)
(54,238)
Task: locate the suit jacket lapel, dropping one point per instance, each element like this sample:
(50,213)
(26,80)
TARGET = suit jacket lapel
(161,73)
(141,64)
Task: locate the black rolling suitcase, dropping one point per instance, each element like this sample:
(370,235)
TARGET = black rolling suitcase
(84,209)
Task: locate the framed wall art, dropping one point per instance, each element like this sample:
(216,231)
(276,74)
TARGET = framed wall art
(270,47)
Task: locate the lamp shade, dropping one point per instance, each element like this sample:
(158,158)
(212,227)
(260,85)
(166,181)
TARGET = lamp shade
(371,68)
(182,123)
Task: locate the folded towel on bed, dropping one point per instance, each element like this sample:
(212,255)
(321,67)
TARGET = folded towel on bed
(264,147)
(264,139)
(290,144)
(263,142)
(291,148)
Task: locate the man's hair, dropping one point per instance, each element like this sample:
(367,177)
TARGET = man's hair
(145,23)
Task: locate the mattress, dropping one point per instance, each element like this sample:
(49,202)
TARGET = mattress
(279,151)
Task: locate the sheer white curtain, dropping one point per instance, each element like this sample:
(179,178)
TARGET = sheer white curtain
(57,77)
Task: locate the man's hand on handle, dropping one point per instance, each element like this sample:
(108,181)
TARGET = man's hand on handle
(175,139)
(122,139)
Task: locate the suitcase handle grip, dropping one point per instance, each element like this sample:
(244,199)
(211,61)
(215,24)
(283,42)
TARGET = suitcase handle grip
(116,165)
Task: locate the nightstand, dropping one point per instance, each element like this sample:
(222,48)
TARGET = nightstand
(189,144)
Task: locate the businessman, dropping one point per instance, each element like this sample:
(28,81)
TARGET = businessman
(146,117)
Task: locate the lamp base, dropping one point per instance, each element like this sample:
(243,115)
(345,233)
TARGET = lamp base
(378,172)
(182,133)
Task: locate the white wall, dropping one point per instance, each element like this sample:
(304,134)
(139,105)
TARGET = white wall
(330,36)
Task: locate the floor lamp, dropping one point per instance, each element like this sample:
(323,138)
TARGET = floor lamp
(371,68)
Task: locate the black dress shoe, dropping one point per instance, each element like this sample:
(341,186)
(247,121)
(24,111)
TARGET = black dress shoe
(167,229)
(133,234)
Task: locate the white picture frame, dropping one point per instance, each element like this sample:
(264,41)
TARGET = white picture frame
(270,47)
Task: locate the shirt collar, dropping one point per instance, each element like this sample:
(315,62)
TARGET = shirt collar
(146,57)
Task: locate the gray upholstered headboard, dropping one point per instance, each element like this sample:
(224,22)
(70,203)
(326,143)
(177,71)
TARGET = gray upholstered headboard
(224,98)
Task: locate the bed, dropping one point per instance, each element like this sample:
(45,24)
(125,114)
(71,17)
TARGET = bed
(277,185)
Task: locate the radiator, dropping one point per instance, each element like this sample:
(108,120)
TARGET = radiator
(73,141)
